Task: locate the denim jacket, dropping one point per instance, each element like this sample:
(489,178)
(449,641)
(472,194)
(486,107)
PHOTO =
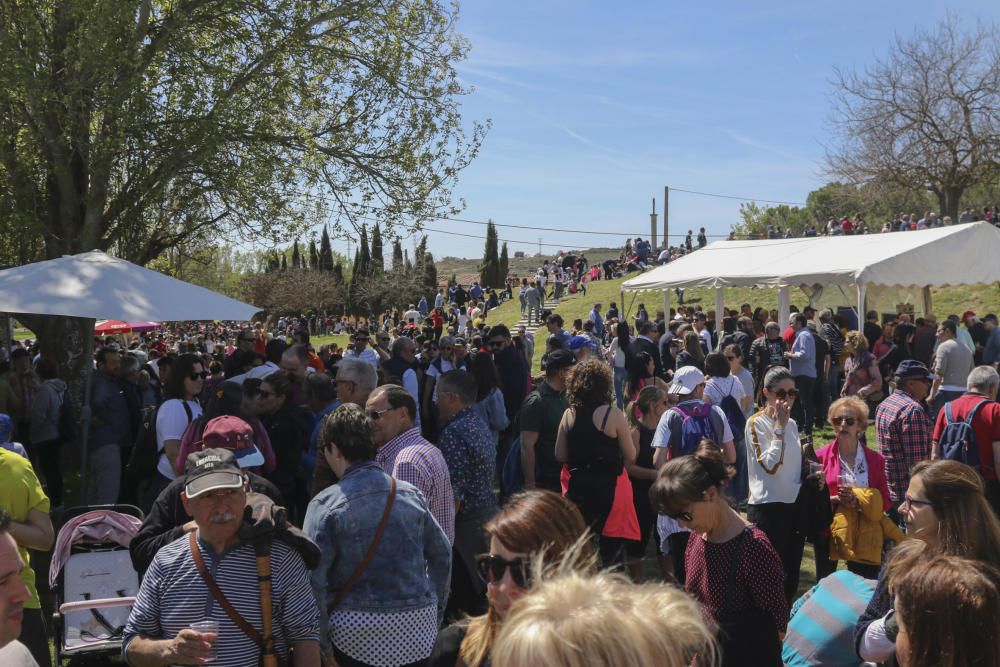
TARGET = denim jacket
(411,568)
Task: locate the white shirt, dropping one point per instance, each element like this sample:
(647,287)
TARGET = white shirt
(16,654)
(717,389)
(774,464)
(171,422)
(367,355)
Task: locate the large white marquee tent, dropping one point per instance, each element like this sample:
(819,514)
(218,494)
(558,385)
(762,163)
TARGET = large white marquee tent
(966,254)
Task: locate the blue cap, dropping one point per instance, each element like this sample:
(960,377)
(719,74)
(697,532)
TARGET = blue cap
(580,342)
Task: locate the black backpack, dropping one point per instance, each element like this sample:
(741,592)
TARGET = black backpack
(146,451)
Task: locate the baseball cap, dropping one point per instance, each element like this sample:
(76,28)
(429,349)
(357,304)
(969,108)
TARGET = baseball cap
(911,369)
(209,470)
(558,359)
(967,314)
(6,427)
(686,380)
(580,342)
(234,434)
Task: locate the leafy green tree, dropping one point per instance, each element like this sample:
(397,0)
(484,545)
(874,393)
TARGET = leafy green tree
(133,125)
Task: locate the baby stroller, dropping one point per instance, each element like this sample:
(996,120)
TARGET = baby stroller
(94,582)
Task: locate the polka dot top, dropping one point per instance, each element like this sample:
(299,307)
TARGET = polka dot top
(758,578)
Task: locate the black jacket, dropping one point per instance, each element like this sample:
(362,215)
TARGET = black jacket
(167,516)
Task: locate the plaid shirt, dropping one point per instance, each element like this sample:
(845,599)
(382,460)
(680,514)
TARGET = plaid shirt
(410,458)
(903,432)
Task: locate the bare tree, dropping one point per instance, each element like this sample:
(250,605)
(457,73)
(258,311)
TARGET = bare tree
(925,116)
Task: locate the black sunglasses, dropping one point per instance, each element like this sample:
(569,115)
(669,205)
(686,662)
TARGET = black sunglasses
(265,394)
(782,394)
(198,376)
(682,516)
(496,343)
(375,415)
(850,421)
(491,568)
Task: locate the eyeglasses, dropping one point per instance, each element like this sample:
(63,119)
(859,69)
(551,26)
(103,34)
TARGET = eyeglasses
(198,376)
(731,358)
(265,394)
(492,567)
(360,340)
(850,421)
(496,343)
(911,502)
(682,516)
(375,415)
(782,394)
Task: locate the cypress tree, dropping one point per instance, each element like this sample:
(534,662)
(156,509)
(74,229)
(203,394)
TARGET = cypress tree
(504,265)
(296,255)
(397,256)
(377,262)
(313,255)
(326,252)
(430,274)
(284,262)
(490,268)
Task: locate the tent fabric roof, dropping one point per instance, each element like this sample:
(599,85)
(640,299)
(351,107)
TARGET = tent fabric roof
(964,254)
(98,286)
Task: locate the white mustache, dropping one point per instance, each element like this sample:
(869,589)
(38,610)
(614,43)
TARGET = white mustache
(224,517)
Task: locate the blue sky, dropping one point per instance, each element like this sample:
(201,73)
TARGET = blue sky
(597,105)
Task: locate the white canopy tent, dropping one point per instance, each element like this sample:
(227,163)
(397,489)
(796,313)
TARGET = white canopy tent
(94,285)
(965,254)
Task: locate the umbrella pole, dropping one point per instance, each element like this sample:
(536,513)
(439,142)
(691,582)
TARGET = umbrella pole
(88,371)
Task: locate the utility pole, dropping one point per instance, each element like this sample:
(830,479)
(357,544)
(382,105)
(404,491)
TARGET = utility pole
(652,227)
(539,246)
(666,216)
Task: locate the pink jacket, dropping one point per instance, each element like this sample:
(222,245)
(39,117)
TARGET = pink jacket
(828,456)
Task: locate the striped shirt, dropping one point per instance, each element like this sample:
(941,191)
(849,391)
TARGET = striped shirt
(173,596)
(410,458)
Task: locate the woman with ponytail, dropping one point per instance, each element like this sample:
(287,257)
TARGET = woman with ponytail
(643,415)
(732,570)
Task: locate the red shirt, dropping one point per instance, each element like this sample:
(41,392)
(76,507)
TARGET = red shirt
(789,336)
(986,425)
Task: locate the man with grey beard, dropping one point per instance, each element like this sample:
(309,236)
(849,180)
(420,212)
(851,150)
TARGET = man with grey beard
(188,612)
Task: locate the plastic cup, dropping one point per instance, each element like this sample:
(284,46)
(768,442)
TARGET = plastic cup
(206,627)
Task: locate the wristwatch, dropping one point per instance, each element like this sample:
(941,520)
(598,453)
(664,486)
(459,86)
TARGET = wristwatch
(779,431)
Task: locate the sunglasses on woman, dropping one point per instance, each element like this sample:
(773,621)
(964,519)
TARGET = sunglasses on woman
(682,516)
(491,568)
(198,376)
(782,394)
(850,421)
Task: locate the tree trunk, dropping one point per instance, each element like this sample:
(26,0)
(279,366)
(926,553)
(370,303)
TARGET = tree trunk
(948,199)
(65,339)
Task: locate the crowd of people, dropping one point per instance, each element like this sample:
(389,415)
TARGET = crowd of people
(645,499)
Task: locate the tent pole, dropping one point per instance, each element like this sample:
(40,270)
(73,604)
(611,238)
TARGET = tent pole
(784,306)
(85,413)
(666,305)
(719,308)
(927,300)
(861,305)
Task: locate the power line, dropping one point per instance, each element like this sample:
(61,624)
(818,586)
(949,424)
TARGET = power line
(712,194)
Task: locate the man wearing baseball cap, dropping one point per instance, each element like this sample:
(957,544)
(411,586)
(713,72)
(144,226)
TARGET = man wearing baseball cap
(582,348)
(168,519)
(541,413)
(175,592)
(689,384)
(902,428)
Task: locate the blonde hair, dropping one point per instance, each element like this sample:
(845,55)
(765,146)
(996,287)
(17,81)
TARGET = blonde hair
(856,341)
(575,620)
(852,403)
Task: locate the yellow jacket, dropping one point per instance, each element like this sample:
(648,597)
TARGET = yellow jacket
(857,534)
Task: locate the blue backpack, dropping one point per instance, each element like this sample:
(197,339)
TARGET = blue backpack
(958,439)
(696,426)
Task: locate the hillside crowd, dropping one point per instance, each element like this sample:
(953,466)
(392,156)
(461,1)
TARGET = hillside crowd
(424,498)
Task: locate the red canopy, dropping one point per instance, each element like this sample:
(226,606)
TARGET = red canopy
(113,327)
